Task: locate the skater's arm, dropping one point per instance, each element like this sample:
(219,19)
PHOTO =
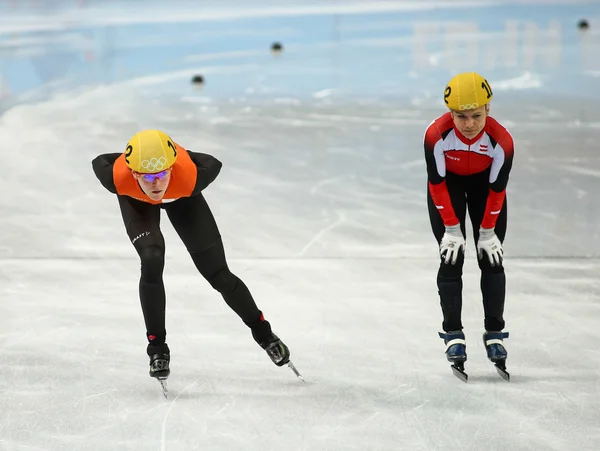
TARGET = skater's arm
(208,169)
(499,174)
(103,168)
(436,175)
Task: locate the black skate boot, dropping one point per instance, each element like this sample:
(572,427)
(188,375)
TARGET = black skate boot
(496,352)
(456,352)
(264,336)
(160,356)
(276,350)
(159,366)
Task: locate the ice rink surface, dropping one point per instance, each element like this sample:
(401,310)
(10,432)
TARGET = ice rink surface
(321,203)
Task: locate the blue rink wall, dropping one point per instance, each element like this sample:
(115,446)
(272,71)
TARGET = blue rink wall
(57,46)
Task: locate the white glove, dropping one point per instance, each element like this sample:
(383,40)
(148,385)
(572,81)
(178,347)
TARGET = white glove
(490,244)
(452,243)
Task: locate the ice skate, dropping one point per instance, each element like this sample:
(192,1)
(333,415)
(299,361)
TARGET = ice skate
(159,366)
(276,349)
(456,352)
(160,357)
(159,369)
(279,353)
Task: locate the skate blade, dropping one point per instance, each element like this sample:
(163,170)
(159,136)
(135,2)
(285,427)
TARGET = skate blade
(165,390)
(459,371)
(296,372)
(501,369)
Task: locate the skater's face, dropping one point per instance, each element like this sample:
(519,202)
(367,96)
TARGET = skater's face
(154,185)
(470,122)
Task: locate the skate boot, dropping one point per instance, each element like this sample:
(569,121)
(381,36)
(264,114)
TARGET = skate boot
(456,346)
(496,351)
(456,352)
(160,357)
(277,351)
(494,345)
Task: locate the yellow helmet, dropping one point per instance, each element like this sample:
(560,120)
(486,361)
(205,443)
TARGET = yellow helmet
(150,151)
(467,91)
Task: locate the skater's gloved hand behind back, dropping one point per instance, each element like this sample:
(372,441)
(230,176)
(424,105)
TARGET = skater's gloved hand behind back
(490,245)
(453,243)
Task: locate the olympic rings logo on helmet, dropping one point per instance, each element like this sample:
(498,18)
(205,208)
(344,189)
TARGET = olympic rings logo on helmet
(154,164)
(469,106)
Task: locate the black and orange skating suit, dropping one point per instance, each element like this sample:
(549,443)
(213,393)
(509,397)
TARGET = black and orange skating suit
(194,223)
(468,174)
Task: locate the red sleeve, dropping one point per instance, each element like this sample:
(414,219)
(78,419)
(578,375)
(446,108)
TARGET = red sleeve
(435,180)
(499,180)
(441,199)
(493,207)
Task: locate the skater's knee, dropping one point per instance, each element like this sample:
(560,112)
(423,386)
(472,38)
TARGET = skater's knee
(448,271)
(152,262)
(486,266)
(224,281)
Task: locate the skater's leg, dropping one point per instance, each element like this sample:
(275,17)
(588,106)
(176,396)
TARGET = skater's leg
(493,278)
(142,223)
(449,276)
(493,289)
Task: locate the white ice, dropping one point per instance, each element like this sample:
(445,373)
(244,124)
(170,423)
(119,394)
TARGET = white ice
(321,204)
